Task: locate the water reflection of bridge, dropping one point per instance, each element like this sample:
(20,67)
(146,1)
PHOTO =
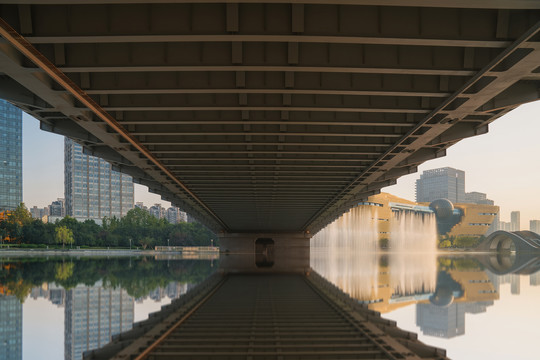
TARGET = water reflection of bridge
(266,316)
(511,263)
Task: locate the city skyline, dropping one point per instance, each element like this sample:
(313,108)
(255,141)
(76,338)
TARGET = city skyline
(500,163)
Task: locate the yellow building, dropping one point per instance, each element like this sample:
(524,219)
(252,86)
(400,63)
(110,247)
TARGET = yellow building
(381,209)
(474,219)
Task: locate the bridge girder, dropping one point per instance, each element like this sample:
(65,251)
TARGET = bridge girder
(275,116)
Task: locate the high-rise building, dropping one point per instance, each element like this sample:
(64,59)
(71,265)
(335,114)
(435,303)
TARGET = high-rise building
(39,213)
(92,189)
(443,183)
(93,314)
(515,220)
(534,226)
(141,206)
(58,208)
(10,156)
(10,328)
(475,197)
(158,211)
(504,225)
(175,215)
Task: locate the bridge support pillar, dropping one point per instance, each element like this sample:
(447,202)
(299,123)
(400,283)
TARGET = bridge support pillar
(264,252)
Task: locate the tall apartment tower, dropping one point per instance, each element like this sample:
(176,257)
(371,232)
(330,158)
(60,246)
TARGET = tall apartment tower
(92,189)
(93,314)
(10,328)
(443,183)
(534,226)
(10,156)
(515,220)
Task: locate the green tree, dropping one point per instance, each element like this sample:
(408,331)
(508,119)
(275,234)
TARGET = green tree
(12,227)
(466,241)
(63,235)
(21,215)
(445,244)
(146,241)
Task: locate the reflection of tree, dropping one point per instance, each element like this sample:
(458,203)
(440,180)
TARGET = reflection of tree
(138,276)
(20,289)
(459,263)
(64,271)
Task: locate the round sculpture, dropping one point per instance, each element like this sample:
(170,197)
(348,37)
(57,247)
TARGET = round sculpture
(443,208)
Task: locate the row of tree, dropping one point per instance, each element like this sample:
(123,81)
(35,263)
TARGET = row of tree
(137,229)
(137,275)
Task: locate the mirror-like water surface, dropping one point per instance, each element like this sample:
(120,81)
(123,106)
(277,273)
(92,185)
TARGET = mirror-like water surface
(57,308)
(474,306)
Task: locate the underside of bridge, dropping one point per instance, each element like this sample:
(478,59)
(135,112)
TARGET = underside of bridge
(274,116)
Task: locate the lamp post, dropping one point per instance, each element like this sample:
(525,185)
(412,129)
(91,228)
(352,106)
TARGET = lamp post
(168,245)
(129,243)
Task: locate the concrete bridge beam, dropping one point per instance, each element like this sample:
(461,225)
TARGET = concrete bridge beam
(265,252)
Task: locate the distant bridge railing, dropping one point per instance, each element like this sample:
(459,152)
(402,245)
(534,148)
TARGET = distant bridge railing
(189,249)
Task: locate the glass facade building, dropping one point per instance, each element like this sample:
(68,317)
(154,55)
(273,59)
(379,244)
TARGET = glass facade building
(93,314)
(443,183)
(10,156)
(92,189)
(10,328)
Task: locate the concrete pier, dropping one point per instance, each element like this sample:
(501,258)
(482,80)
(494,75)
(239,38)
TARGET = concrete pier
(265,252)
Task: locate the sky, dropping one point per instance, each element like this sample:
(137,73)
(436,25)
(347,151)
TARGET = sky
(504,163)
(43,168)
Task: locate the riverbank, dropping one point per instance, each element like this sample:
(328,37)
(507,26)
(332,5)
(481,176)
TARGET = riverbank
(15,252)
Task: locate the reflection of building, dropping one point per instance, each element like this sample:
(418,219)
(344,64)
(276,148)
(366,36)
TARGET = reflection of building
(92,316)
(446,322)
(10,156)
(50,291)
(515,285)
(534,279)
(92,189)
(173,290)
(444,183)
(10,328)
(477,293)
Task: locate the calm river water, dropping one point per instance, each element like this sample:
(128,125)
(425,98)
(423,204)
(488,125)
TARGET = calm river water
(475,307)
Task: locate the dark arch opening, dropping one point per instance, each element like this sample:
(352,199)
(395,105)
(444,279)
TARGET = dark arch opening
(502,243)
(264,252)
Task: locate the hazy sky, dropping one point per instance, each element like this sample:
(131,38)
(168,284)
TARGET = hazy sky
(43,168)
(505,164)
